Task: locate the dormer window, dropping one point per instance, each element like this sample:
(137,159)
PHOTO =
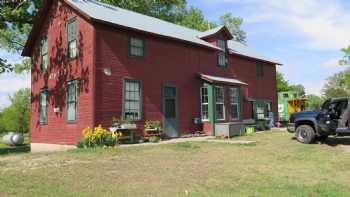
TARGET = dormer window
(222,56)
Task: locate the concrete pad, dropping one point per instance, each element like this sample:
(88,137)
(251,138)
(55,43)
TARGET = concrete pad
(40,147)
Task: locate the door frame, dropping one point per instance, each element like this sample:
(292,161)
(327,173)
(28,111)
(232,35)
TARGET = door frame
(176,107)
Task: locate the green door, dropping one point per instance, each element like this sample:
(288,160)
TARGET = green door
(170,112)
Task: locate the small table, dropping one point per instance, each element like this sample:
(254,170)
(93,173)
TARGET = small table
(130,134)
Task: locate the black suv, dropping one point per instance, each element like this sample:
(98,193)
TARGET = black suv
(332,119)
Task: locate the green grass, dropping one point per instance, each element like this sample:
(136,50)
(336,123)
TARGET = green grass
(276,166)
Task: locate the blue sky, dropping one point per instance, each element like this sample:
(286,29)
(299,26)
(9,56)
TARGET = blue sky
(304,35)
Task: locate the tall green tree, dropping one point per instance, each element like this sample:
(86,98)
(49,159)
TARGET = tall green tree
(16,117)
(282,83)
(314,102)
(299,88)
(337,85)
(16,19)
(234,25)
(346,58)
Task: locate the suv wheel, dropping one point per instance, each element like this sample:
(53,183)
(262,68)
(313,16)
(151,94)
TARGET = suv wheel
(305,134)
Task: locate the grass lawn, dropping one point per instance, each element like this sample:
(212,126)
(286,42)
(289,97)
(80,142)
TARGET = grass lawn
(276,166)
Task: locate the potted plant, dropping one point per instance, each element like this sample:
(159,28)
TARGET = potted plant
(153,128)
(122,124)
(128,124)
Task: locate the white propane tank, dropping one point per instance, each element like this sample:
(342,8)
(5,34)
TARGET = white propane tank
(13,139)
(17,139)
(7,139)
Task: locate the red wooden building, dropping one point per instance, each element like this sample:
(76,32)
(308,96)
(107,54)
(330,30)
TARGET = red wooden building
(93,61)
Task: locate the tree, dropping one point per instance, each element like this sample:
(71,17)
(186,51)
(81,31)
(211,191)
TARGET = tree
(234,25)
(16,20)
(337,85)
(346,57)
(314,102)
(282,84)
(16,117)
(300,89)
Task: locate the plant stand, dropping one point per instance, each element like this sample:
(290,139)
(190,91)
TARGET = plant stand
(153,132)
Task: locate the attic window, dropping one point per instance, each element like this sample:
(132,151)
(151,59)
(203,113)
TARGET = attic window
(136,47)
(222,56)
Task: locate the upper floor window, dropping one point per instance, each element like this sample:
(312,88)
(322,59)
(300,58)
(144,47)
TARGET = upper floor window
(43,106)
(132,100)
(219,103)
(222,57)
(204,103)
(136,47)
(72,38)
(44,53)
(72,101)
(260,70)
(234,94)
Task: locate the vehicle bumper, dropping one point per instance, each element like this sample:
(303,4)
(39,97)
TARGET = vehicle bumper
(291,127)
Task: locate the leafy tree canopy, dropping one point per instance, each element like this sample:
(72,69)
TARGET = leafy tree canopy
(283,85)
(346,58)
(314,102)
(16,20)
(337,85)
(16,117)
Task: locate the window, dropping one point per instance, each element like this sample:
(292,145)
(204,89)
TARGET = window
(136,46)
(72,38)
(204,104)
(260,70)
(43,106)
(132,100)
(222,57)
(219,103)
(234,99)
(44,53)
(72,101)
(285,95)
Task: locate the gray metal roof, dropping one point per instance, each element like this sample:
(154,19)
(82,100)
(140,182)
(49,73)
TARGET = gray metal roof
(210,31)
(130,19)
(241,49)
(222,79)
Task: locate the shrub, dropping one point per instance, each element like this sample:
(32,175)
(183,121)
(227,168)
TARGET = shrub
(154,139)
(98,136)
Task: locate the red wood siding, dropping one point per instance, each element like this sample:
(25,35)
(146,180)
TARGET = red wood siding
(101,97)
(60,71)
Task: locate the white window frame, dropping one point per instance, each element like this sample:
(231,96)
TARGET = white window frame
(204,103)
(220,103)
(127,98)
(232,102)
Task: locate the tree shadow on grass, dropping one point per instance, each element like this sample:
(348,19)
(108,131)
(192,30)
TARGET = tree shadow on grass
(15,149)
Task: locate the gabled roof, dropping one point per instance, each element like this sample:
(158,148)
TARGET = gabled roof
(214,31)
(243,50)
(216,79)
(108,14)
(111,14)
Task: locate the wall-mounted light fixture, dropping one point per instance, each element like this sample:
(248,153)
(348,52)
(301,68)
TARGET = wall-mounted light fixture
(107,71)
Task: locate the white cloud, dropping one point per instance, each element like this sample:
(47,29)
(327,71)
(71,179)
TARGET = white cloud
(323,23)
(332,63)
(10,83)
(314,87)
